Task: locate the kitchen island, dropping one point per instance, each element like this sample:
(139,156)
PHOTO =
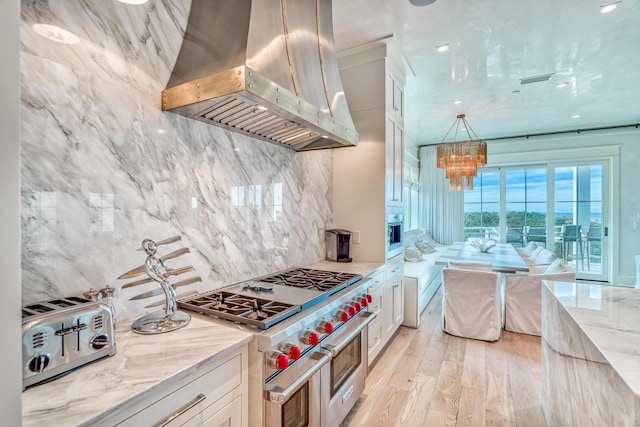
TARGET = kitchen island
(144,370)
(590,355)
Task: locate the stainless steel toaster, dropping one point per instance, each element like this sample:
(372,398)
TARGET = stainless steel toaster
(63,334)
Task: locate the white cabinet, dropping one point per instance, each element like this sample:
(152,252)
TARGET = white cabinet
(387,292)
(394,297)
(214,396)
(394,96)
(377,328)
(394,157)
(368,178)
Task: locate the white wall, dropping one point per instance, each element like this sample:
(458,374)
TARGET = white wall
(11,354)
(624,194)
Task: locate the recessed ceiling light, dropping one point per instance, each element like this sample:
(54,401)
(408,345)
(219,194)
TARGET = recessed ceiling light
(421,2)
(561,85)
(161,131)
(575,116)
(443,47)
(236,149)
(56,34)
(133,1)
(457,101)
(606,8)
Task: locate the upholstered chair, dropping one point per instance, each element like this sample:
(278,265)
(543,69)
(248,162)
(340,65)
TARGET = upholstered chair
(472,304)
(470,265)
(523,297)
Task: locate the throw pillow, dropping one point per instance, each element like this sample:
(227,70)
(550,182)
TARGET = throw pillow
(425,248)
(412,255)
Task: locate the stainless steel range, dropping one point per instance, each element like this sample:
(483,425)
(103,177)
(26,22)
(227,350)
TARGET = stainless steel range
(308,358)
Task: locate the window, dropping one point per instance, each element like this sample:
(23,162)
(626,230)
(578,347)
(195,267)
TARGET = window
(482,206)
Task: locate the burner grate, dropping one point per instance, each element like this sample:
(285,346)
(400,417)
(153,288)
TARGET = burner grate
(321,280)
(240,308)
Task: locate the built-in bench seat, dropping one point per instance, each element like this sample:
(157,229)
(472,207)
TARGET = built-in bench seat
(421,279)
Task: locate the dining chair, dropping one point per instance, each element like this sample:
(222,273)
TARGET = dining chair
(572,234)
(523,297)
(593,234)
(537,234)
(472,304)
(515,235)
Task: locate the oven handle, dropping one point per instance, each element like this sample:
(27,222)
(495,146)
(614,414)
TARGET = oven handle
(280,395)
(353,328)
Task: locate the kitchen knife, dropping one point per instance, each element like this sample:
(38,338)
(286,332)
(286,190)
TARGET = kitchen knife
(162,302)
(140,269)
(160,291)
(167,273)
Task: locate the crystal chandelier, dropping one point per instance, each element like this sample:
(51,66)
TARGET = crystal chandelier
(461,159)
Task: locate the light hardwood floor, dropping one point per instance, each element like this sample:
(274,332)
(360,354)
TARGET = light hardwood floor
(428,378)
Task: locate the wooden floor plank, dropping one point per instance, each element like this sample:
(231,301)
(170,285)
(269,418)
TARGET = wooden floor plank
(427,378)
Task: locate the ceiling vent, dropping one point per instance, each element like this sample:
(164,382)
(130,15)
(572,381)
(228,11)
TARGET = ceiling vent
(535,79)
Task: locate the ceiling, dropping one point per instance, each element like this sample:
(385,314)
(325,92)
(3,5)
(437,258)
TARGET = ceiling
(493,45)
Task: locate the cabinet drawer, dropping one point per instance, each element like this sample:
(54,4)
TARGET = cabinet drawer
(219,414)
(377,279)
(395,267)
(193,398)
(375,339)
(376,299)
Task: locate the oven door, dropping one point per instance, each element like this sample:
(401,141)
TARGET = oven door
(343,378)
(292,398)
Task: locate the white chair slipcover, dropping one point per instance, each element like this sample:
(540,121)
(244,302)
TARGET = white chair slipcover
(523,300)
(526,251)
(472,304)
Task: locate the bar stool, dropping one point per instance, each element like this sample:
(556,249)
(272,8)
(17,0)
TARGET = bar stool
(572,234)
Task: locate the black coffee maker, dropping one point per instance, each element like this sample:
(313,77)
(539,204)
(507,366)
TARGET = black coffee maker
(338,245)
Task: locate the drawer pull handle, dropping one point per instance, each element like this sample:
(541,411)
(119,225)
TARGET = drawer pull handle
(199,398)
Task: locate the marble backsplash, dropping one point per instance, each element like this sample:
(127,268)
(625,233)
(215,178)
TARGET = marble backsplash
(103,167)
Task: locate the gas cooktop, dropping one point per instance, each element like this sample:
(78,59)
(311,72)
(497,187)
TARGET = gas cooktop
(270,299)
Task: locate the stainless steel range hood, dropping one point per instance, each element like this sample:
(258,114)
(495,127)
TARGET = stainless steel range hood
(266,68)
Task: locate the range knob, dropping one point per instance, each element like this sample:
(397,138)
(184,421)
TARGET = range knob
(325,327)
(310,338)
(99,342)
(292,350)
(341,316)
(278,360)
(369,298)
(352,311)
(39,362)
(364,301)
(358,307)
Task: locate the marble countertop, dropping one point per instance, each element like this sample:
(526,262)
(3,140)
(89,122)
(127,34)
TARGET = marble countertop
(364,268)
(142,365)
(610,318)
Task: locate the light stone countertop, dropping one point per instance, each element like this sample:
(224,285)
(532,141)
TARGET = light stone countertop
(610,318)
(142,366)
(364,268)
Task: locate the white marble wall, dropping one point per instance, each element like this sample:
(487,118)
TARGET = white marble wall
(104,168)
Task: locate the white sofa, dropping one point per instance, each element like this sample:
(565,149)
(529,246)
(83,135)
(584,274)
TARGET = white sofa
(421,279)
